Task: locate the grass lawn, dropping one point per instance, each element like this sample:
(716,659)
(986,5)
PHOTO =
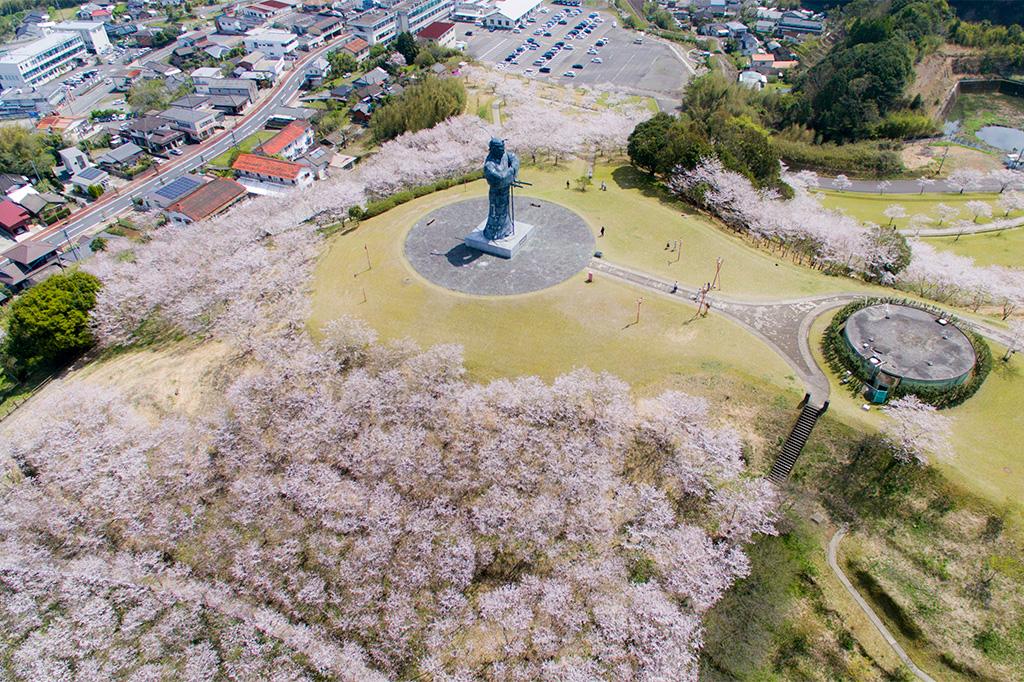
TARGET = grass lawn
(545,333)
(987,428)
(988,248)
(246,145)
(871,207)
(640,221)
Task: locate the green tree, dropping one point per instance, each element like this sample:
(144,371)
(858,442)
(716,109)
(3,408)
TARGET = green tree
(405,44)
(148,95)
(422,105)
(646,141)
(95,191)
(49,323)
(98,244)
(583,182)
(25,152)
(341,63)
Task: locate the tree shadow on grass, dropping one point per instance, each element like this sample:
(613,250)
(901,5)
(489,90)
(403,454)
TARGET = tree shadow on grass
(630,177)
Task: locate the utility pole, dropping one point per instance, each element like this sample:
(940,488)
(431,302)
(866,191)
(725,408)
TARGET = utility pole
(944,155)
(366,250)
(639,302)
(718,270)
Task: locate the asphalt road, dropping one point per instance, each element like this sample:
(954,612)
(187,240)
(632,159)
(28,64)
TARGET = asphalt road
(114,203)
(652,69)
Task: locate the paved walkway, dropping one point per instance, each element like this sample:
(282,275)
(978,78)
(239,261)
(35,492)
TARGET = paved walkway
(905,186)
(951,230)
(783,325)
(833,545)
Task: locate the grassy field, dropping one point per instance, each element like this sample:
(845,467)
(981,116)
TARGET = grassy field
(246,145)
(871,207)
(988,248)
(987,429)
(545,333)
(640,221)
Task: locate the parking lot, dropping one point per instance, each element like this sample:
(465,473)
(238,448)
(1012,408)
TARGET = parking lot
(650,68)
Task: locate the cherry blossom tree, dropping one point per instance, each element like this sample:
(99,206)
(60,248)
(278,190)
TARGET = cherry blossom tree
(1006,179)
(925,183)
(894,211)
(965,178)
(1016,330)
(883,185)
(842,183)
(916,432)
(1011,201)
(946,212)
(979,209)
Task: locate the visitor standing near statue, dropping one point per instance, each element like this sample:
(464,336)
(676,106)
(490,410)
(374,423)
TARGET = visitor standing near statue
(501,170)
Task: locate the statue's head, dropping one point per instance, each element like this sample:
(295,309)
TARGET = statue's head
(496,147)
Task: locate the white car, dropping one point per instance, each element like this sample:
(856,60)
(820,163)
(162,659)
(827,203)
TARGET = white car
(596,60)
(569,74)
(568,46)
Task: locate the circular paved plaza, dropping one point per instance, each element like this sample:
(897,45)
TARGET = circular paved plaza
(559,247)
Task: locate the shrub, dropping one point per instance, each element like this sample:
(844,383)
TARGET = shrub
(863,158)
(98,244)
(905,125)
(841,357)
(50,323)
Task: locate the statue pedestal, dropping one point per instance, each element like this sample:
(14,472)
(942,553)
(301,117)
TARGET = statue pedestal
(502,248)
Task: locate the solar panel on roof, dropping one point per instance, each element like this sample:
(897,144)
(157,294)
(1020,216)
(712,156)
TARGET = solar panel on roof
(90,173)
(177,187)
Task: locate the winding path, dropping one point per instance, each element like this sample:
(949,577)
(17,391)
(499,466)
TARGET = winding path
(833,545)
(784,325)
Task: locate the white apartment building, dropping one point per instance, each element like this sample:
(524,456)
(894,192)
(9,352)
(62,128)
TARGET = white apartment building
(41,60)
(375,26)
(92,34)
(271,41)
(413,15)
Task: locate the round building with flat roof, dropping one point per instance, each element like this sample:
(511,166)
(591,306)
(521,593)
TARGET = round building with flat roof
(900,344)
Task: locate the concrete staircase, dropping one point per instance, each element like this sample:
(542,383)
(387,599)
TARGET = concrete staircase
(796,440)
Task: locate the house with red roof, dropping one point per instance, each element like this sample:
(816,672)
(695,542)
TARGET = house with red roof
(261,169)
(294,139)
(440,32)
(358,48)
(206,201)
(14,219)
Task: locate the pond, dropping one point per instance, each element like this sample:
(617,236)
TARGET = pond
(1001,137)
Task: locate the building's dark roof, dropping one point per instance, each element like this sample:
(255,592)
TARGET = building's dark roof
(209,199)
(29,251)
(91,173)
(909,342)
(190,101)
(120,154)
(9,181)
(179,187)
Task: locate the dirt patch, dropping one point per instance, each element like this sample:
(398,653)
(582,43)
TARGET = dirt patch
(934,77)
(925,154)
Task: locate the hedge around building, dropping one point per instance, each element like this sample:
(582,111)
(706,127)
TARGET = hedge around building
(841,357)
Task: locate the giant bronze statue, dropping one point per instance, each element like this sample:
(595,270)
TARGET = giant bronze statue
(501,170)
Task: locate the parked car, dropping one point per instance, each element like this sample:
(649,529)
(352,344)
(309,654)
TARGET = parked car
(175,151)
(577,66)
(469,33)
(596,60)
(545,69)
(569,74)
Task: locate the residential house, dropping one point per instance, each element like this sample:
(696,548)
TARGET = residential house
(317,71)
(714,30)
(85,179)
(358,48)
(120,159)
(235,24)
(72,128)
(260,170)
(197,124)
(342,92)
(154,134)
(748,44)
(263,11)
(764,26)
(780,67)
(362,113)
(327,27)
(282,116)
(124,82)
(193,102)
(10,182)
(376,76)
(736,28)
(798,28)
(752,80)
(151,70)
(216,50)
(293,140)
(14,219)
(74,160)
(173,191)
(371,93)
(42,205)
(317,160)
(229,86)
(206,201)
(29,262)
(762,63)
(440,32)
